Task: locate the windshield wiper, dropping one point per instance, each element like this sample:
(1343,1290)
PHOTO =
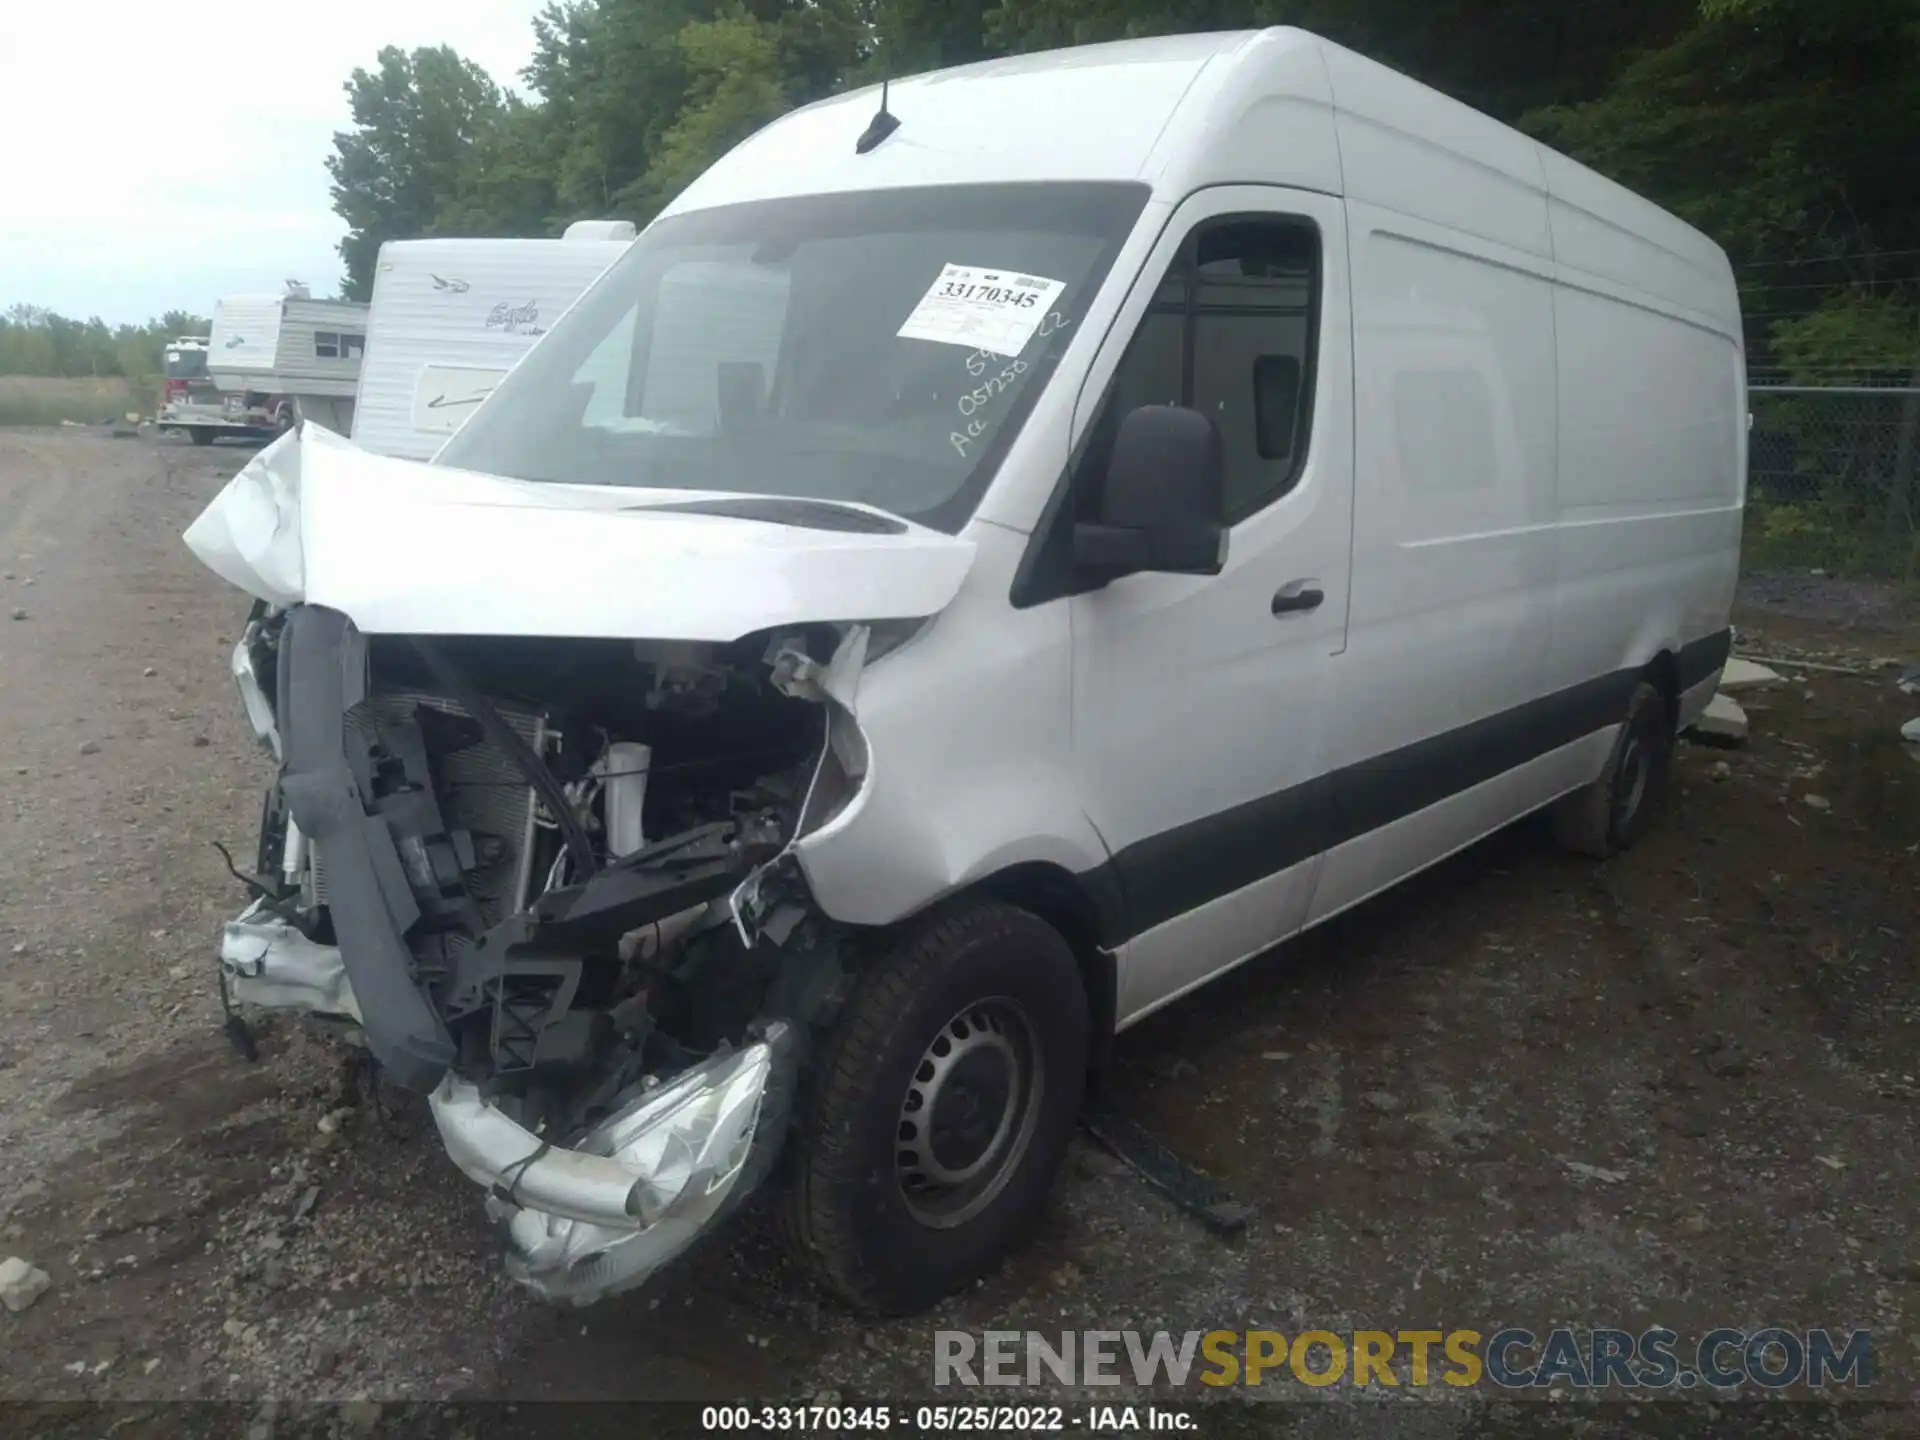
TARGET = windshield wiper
(799,511)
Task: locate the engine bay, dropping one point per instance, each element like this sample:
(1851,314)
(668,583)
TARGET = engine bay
(555,869)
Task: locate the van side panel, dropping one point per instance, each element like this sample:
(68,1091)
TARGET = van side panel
(1652,404)
(1607,232)
(1412,150)
(970,767)
(1455,454)
(1660,432)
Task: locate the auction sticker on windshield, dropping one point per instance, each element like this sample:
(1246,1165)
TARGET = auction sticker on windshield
(992,310)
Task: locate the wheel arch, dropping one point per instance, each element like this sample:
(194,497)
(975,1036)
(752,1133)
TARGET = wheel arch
(1663,673)
(1086,911)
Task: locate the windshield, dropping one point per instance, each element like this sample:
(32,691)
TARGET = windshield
(879,348)
(185,364)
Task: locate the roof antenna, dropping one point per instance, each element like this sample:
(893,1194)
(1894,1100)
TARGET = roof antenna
(883,124)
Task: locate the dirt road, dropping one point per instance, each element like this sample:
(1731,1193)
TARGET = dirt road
(1679,1088)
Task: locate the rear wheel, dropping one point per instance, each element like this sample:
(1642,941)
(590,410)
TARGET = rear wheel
(200,434)
(941,1107)
(1613,812)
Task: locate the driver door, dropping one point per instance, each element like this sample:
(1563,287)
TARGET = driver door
(1199,701)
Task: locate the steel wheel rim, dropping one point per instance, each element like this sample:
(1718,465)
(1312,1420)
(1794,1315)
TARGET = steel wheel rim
(969,1112)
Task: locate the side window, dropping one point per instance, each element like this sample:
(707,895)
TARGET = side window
(1252,328)
(326,345)
(352,347)
(1231,333)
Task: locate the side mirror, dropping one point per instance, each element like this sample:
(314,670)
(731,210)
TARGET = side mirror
(1162,506)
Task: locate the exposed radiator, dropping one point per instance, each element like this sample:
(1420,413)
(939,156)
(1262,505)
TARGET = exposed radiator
(481,791)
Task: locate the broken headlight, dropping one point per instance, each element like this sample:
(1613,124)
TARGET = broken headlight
(253,696)
(687,1138)
(642,1185)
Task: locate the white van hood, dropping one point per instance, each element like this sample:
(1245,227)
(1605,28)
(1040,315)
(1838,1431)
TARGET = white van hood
(405,548)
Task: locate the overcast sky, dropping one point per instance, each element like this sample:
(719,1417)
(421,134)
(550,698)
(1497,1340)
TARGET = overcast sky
(159,156)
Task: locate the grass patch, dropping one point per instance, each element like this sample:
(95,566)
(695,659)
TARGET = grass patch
(1831,536)
(47,400)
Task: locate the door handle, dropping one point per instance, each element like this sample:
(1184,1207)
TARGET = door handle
(1297,595)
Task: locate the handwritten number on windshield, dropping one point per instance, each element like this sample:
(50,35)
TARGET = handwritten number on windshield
(976,399)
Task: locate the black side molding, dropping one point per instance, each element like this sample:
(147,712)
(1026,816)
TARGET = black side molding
(1163,876)
(1700,659)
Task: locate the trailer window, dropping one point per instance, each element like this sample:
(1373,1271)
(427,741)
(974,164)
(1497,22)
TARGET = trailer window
(326,344)
(352,347)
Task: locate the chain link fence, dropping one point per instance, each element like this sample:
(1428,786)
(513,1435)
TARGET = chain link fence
(1833,480)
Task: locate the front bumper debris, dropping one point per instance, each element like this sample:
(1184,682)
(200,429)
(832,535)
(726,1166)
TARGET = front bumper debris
(586,1223)
(270,964)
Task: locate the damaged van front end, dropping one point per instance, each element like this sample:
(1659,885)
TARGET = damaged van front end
(550,875)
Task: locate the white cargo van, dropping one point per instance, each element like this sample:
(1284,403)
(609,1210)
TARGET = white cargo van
(451,316)
(982,564)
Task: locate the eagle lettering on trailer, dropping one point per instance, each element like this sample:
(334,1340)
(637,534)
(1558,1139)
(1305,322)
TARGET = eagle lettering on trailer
(515,319)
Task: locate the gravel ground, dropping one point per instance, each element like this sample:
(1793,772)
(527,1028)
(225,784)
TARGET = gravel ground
(1678,1088)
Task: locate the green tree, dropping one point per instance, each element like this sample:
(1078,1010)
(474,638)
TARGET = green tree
(907,37)
(506,184)
(734,86)
(417,120)
(1502,56)
(1784,128)
(612,75)
(742,70)
(1857,333)
(37,341)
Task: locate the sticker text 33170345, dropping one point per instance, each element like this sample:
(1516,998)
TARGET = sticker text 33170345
(992,310)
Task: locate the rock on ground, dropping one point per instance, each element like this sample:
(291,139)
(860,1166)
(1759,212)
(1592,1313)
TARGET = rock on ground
(1745,675)
(21,1283)
(1723,719)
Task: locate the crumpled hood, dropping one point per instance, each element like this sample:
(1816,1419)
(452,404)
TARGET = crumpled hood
(405,548)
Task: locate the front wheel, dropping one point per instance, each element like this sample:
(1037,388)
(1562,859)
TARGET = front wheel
(941,1107)
(200,435)
(1607,816)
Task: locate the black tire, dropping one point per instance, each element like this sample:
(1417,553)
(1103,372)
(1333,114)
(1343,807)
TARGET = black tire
(869,1212)
(200,435)
(1613,812)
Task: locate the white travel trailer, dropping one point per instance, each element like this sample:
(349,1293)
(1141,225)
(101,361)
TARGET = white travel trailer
(290,354)
(982,564)
(451,317)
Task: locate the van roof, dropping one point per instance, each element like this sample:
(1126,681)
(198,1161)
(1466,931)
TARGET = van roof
(1089,113)
(1277,107)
